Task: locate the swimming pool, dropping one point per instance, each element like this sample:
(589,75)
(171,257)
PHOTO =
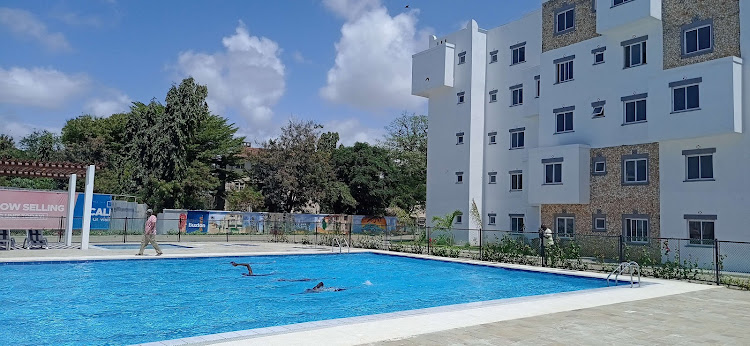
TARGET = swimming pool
(136,301)
(138,246)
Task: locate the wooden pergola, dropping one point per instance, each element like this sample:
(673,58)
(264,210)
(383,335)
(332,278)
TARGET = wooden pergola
(39,169)
(59,170)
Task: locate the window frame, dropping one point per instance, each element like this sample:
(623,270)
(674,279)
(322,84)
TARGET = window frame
(517,178)
(556,178)
(622,2)
(597,52)
(517,138)
(491,219)
(459,138)
(635,158)
(538,86)
(492,138)
(516,52)
(459,219)
(564,73)
(565,11)
(567,234)
(696,26)
(461,97)
(520,223)
(492,178)
(635,100)
(631,235)
(493,57)
(516,95)
(685,84)
(700,158)
(628,52)
(566,121)
(701,219)
(595,223)
(459,177)
(461,58)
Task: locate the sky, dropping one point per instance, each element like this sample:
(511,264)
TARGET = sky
(345,64)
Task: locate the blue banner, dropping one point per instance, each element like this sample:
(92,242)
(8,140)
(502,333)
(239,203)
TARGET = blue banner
(101,209)
(197,222)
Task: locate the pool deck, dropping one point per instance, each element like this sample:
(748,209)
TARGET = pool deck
(659,312)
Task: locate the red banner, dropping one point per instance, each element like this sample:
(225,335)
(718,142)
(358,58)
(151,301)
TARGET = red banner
(33,209)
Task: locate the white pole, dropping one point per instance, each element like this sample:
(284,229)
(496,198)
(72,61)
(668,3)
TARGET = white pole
(71,207)
(88,200)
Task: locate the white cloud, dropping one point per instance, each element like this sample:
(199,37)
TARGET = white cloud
(299,58)
(12,127)
(39,87)
(24,24)
(351,131)
(373,61)
(115,102)
(248,76)
(351,9)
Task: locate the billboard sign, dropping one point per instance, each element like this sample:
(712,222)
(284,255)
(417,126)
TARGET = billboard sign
(197,222)
(101,209)
(32,209)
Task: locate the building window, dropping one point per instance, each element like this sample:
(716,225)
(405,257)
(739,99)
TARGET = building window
(459,218)
(553,173)
(599,166)
(516,223)
(492,137)
(461,58)
(565,71)
(699,167)
(702,231)
(565,226)
(635,111)
(636,171)
(493,96)
(538,87)
(459,177)
(517,96)
(493,56)
(565,20)
(517,138)
(491,218)
(459,138)
(600,223)
(635,54)
(697,40)
(493,177)
(598,109)
(636,230)
(619,2)
(516,181)
(564,122)
(685,98)
(598,58)
(519,54)
(461,97)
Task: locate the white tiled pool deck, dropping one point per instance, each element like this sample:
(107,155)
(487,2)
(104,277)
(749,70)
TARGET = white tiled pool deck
(381,327)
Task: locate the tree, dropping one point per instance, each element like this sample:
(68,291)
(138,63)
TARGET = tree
(291,172)
(43,146)
(247,199)
(406,139)
(366,170)
(445,222)
(8,147)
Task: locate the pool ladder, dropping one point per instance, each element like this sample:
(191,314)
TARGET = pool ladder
(631,267)
(340,243)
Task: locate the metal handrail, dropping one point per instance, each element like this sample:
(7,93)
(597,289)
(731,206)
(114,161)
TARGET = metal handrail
(340,245)
(630,266)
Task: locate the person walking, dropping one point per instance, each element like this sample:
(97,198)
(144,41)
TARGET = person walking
(149,234)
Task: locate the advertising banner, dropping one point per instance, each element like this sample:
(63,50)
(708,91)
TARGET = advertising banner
(32,209)
(197,222)
(372,224)
(253,222)
(307,222)
(101,209)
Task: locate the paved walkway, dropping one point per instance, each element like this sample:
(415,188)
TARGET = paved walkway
(710,317)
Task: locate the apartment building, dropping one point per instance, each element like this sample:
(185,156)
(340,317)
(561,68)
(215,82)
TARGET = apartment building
(612,117)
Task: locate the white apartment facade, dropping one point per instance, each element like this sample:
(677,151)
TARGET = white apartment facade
(611,117)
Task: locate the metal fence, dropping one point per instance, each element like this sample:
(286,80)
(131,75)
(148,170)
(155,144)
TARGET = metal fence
(711,261)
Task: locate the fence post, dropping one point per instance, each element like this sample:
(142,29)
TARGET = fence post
(429,240)
(227,226)
(542,249)
(716,261)
(125,231)
(621,249)
(480,243)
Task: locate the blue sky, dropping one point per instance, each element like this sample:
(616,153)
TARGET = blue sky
(343,63)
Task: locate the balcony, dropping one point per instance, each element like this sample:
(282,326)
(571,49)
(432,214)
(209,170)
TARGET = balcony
(432,70)
(627,14)
(719,105)
(574,185)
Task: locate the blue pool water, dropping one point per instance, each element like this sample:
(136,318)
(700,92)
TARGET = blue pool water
(136,301)
(138,246)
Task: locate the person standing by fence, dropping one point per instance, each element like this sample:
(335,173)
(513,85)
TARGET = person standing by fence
(149,234)
(545,242)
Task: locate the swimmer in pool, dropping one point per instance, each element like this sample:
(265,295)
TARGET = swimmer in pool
(320,288)
(249,270)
